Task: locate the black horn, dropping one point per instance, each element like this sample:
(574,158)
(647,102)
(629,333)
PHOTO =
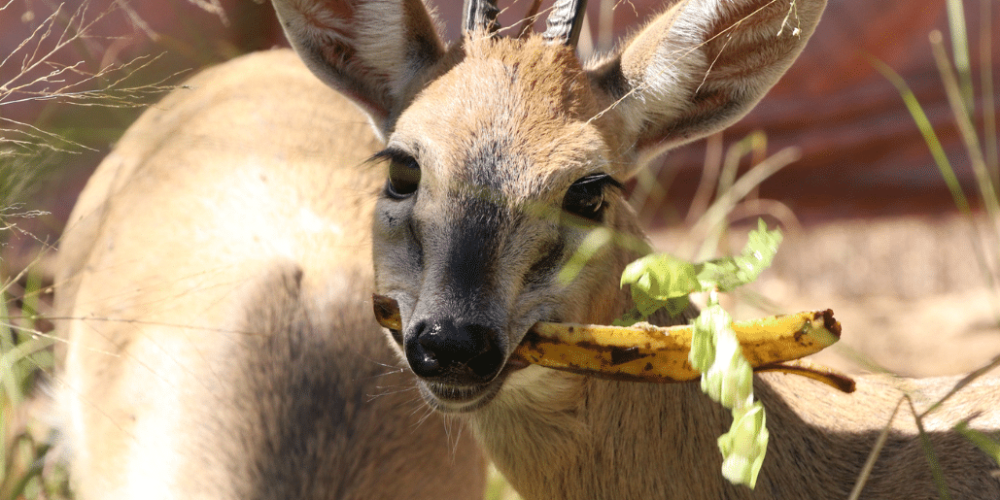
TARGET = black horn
(564,23)
(480,14)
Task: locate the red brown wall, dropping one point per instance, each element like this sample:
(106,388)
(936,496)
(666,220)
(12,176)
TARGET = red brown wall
(862,155)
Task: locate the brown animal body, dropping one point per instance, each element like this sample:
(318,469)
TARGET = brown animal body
(505,161)
(218,274)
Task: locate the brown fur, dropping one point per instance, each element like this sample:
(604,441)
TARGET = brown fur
(500,129)
(217,267)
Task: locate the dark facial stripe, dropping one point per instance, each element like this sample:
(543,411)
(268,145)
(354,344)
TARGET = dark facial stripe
(473,244)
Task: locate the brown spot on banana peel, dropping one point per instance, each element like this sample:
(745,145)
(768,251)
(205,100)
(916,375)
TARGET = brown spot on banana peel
(620,355)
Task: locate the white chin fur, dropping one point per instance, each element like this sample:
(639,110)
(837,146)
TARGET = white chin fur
(535,384)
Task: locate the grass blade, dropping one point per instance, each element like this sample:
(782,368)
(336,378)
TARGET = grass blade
(716,214)
(989,445)
(968,379)
(968,131)
(927,131)
(960,50)
(866,470)
(986,82)
(925,442)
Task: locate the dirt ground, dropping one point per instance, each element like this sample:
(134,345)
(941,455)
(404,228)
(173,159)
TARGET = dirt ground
(909,293)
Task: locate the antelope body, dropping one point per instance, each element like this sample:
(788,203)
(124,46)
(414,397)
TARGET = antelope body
(506,158)
(217,267)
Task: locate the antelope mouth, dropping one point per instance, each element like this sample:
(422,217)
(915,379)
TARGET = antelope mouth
(442,394)
(455,398)
(448,398)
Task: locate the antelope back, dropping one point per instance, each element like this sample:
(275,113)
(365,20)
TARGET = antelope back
(218,270)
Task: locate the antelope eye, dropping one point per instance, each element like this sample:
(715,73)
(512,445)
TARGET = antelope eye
(404,174)
(585,197)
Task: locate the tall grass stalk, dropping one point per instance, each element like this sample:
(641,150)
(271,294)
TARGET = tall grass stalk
(866,470)
(990,139)
(28,153)
(960,51)
(24,354)
(711,226)
(709,177)
(968,133)
(956,78)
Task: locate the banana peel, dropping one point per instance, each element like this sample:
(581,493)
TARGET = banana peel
(648,353)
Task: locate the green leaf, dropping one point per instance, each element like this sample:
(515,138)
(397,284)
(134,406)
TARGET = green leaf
(711,320)
(728,273)
(744,446)
(729,379)
(660,280)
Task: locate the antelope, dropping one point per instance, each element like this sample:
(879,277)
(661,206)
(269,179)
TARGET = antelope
(504,155)
(217,271)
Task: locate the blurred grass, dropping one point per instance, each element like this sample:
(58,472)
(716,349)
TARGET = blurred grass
(65,67)
(497,488)
(26,471)
(981,146)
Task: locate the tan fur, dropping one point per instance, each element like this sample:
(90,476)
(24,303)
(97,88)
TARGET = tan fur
(217,269)
(502,133)
(500,130)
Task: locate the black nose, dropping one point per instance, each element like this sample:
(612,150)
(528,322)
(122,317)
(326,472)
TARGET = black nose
(464,353)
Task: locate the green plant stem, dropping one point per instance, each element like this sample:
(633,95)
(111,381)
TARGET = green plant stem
(873,456)
(927,131)
(925,442)
(990,139)
(942,162)
(34,469)
(10,393)
(709,177)
(960,50)
(716,214)
(968,131)
(966,380)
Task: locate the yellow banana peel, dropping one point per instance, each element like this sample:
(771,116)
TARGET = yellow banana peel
(660,354)
(649,353)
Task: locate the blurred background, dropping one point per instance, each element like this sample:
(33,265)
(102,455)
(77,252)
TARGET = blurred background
(864,204)
(861,154)
(832,155)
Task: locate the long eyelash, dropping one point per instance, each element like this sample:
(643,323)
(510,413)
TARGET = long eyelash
(394,155)
(601,178)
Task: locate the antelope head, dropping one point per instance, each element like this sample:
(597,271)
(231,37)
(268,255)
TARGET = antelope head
(506,158)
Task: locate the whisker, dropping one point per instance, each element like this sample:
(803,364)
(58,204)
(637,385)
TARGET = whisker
(430,411)
(373,397)
(458,438)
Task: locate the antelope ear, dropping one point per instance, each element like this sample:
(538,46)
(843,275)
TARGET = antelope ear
(700,66)
(370,50)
